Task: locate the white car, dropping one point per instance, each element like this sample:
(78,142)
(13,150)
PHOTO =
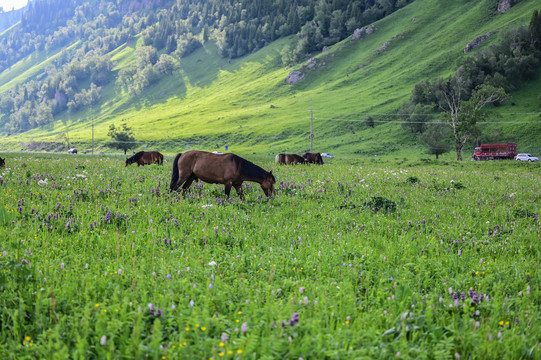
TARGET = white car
(217,152)
(526,157)
(326,155)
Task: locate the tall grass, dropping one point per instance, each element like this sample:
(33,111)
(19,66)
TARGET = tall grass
(352,259)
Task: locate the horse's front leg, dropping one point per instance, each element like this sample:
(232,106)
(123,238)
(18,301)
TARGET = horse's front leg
(239,191)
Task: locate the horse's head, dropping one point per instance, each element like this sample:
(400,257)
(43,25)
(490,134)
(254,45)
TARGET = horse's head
(268,185)
(128,162)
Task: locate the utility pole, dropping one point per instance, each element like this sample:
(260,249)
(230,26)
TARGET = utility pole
(92,134)
(311,126)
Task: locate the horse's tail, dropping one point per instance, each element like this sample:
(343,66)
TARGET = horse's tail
(161,159)
(174,176)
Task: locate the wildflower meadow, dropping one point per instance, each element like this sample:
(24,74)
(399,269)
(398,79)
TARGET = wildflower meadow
(352,259)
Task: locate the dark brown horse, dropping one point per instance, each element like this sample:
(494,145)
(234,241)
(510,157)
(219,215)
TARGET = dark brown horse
(2,162)
(145,158)
(289,159)
(228,169)
(313,158)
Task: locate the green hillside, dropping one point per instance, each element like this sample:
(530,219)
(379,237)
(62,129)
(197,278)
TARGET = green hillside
(210,101)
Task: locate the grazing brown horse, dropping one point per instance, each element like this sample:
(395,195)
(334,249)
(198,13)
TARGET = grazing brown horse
(228,169)
(313,158)
(145,158)
(2,162)
(289,159)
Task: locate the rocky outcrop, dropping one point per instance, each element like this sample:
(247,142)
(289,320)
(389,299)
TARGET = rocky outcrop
(294,77)
(358,33)
(312,62)
(476,42)
(503,6)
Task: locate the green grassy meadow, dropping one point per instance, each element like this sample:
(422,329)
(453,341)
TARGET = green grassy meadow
(210,102)
(358,258)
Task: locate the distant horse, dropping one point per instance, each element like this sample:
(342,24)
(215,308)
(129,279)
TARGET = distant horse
(72,151)
(2,162)
(313,158)
(280,158)
(228,169)
(145,158)
(289,159)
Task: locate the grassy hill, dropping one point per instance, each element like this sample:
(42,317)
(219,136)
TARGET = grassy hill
(210,102)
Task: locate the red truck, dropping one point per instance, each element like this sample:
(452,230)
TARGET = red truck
(495,151)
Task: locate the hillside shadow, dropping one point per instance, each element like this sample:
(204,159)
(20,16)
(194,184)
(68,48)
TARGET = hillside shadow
(203,67)
(159,93)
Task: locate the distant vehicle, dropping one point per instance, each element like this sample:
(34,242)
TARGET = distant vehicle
(72,151)
(495,151)
(526,157)
(217,152)
(327,155)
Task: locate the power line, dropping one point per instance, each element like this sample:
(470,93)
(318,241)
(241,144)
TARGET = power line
(428,122)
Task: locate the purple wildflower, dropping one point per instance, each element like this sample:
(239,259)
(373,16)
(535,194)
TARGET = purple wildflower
(294,319)
(475,298)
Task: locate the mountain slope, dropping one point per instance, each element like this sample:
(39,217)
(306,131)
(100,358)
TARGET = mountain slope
(209,101)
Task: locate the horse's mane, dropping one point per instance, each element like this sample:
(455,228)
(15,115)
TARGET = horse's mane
(136,157)
(250,169)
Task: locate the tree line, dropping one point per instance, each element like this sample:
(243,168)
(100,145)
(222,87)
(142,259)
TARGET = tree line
(81,33)
(462,99)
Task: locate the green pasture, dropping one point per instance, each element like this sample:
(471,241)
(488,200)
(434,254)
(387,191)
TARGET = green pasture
(358,258)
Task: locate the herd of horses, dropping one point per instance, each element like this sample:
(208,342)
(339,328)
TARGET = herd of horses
(228,169)
(308,158)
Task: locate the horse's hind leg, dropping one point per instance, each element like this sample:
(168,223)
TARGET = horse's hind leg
(188,182)
(181,179)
